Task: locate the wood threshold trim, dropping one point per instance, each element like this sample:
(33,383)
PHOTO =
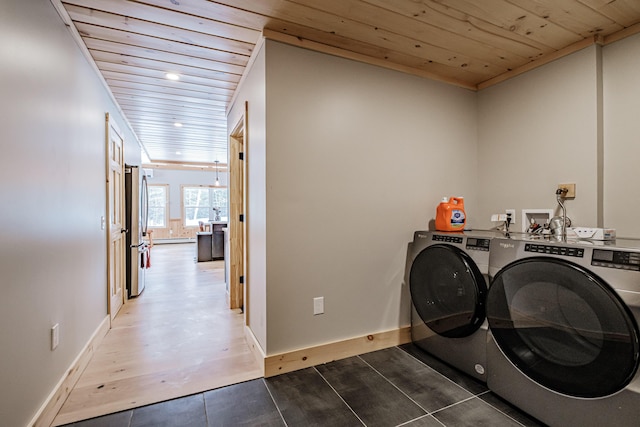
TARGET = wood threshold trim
(342,53)
(539,62)
(255,347)
(308,357)
(49,409)
(629,31)
(247,69)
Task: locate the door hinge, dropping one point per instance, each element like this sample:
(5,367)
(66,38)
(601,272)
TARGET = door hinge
(241,156)
(242,280)
(241,218)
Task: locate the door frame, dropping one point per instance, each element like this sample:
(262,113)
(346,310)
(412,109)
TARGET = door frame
(238,190)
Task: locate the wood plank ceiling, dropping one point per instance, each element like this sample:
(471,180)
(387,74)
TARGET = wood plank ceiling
(208,44)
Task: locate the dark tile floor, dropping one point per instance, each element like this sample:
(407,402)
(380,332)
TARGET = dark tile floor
(391,387)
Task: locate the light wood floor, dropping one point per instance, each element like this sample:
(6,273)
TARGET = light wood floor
(176,339)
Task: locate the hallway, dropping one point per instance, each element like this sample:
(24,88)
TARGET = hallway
(177,338)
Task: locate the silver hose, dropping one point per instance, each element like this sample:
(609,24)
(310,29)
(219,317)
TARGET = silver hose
(559,194)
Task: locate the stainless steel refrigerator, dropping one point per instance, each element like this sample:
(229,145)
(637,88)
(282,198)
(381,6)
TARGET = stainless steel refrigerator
(137,213)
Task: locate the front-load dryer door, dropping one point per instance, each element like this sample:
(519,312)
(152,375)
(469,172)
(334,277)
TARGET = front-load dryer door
(448,291)
(563,327)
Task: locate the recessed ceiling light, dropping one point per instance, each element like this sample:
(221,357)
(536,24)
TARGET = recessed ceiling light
(178,124)
(172,76)
(178,152)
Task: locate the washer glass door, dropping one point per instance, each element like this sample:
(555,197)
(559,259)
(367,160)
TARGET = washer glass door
(448,291)
(563,327)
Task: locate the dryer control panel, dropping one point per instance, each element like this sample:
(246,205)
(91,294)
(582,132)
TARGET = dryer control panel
(616,259)
(478,244)
(447,239)
(473,243)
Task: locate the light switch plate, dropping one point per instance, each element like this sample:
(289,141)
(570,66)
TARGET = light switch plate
(318,305)
(55,336)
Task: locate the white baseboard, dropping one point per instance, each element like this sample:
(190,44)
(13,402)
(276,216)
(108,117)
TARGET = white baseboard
(50,408)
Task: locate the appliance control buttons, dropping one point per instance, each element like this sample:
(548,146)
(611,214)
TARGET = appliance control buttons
(478,244)
(616,259)
(447,239)
(554,250)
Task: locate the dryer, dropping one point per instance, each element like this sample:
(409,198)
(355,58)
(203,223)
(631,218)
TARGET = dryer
(447,277)
(563,329)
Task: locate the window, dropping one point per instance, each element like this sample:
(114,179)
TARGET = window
(158,205)
(199,204)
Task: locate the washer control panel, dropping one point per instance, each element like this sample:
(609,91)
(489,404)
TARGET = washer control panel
(554,250)
(478,244)
(616,259)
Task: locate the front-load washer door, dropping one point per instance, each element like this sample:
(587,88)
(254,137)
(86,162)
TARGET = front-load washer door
(563,327)
(448,291)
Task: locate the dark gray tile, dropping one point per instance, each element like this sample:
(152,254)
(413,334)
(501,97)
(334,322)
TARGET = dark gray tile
(376,401)
(474,413)
(428,388)
(119,419)
(244,404)
(305,399)
(510,410)
(184,412)
(463,380)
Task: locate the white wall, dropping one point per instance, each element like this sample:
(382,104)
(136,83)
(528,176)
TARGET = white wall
(357,158)
(52,184)
(178,178)
(621,77)
(252,92)
(538,130)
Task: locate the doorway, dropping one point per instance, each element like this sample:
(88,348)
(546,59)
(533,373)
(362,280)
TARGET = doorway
(238,284)
(155,352)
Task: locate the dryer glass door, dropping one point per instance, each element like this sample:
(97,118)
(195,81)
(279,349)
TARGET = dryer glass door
(448,291)
(563,327)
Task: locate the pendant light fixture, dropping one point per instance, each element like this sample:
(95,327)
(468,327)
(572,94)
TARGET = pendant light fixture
(217,184)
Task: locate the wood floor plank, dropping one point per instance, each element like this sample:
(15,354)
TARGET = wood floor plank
(177,338)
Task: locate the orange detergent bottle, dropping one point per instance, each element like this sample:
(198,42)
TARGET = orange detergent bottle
(450,214)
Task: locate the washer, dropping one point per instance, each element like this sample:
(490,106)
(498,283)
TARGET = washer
(563,337)
(447,277)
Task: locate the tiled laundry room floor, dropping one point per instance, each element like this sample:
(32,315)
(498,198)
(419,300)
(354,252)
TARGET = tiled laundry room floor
(391,387)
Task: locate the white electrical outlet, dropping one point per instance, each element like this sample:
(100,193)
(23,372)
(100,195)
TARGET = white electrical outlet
(513,214)
(318,305)
(55,336)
